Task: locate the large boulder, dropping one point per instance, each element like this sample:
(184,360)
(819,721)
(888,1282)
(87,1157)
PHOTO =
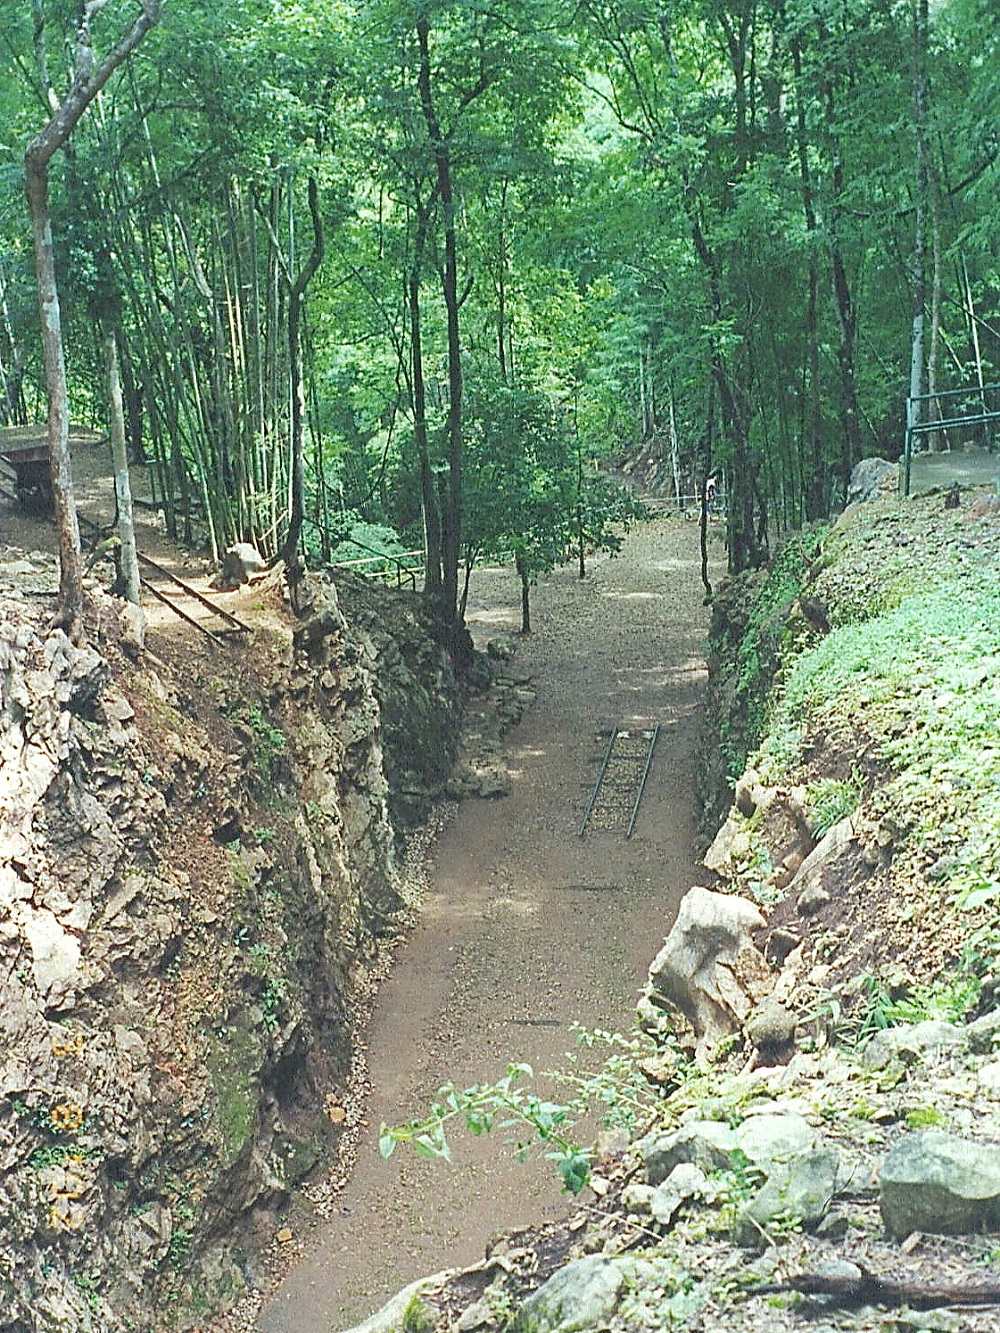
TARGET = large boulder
(770,1138)
(942,1184)
(585,1293)
(983,1034)
(870,478)
(707,1144)
(405,1309)
(239,564)
(582,1295)
(771,1027)
(825,868)
(911,1042)
(708,966)
(730,847)
(799,1191)
(685,1182)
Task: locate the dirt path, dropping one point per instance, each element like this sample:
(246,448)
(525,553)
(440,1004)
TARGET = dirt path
(526,927)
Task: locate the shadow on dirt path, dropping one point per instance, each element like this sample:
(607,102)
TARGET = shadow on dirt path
(526,927)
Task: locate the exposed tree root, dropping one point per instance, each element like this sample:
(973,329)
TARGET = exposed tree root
(869,1289)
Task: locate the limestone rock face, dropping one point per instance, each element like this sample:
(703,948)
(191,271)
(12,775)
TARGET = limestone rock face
(703,967)
(193,870)
(942,1184)
(419,697)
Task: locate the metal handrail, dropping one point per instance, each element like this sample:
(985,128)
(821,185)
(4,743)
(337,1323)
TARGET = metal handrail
(916,427)
(954,393)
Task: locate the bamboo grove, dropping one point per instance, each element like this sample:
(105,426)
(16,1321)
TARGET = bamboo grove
(405,271)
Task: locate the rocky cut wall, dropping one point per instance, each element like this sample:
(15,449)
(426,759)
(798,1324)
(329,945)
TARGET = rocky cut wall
(195,861)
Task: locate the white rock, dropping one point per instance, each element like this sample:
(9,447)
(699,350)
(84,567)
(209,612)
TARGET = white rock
(695,971)
(55,954)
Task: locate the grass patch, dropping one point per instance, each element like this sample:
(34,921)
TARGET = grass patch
(830,801)
(923,681)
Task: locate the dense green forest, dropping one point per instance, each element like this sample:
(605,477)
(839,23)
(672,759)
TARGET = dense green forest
(407,268)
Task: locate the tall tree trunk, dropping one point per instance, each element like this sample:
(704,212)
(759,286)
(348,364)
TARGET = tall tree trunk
(706,473)
(502,285)
(522,569)
(296,292)
(87,82)
(428,493)
(675,461)
(132,394)
(816,492)
(969,306)
(850,416)
(936,440)
(128,559)
(452,543)
(919,90)
(69,614)
(741,533)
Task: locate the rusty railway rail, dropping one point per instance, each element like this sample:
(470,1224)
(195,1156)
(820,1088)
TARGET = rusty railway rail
(231,625)
(621,780)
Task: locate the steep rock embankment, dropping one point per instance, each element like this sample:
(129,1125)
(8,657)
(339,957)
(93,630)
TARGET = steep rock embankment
(817,1079)
(195,865)
(864,708)
(420,699)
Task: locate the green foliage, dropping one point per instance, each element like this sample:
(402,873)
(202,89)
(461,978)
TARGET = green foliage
(363,541)
(762,642)
(926,1117)
(504,1105)
(269,743)
(417,1318)
(949,1000)
(829,801)
(921,675)
(88,1286)
(652,214)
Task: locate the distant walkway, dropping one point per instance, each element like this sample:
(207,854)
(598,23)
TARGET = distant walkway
(973,467)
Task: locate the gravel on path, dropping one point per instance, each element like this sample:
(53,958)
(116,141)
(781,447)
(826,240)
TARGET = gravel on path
(525,927)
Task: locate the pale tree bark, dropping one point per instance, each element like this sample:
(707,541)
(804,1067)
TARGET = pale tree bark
(675,461)
(128,559)
(296,293)
(88,80)
(428,494)
(938,439)
(919,58)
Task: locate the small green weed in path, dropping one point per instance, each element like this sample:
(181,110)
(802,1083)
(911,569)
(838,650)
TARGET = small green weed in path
(417,1318)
